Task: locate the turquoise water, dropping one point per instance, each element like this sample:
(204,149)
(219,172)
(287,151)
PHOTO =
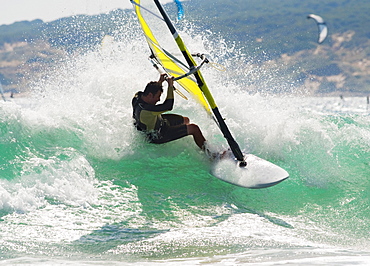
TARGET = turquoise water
(78,185)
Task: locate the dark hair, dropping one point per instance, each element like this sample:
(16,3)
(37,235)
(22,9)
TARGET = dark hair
(152,87)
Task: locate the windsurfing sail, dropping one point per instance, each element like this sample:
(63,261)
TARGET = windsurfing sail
(323,29)
(178,62)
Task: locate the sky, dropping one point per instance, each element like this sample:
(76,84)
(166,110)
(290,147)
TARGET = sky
(48,10)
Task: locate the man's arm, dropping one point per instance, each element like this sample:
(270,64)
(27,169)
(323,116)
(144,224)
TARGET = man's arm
(162,78)
(170,88)
(167,105)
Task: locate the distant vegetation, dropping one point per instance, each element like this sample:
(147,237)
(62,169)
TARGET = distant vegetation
(278,31)
(71,33)
(20,31)
(282,25)
(28,47)
(269,31)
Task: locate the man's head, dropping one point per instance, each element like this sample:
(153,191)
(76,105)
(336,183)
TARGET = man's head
(152,92)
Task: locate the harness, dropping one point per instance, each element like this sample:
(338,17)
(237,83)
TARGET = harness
(137,106)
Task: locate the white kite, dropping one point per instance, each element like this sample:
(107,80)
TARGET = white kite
(323,29)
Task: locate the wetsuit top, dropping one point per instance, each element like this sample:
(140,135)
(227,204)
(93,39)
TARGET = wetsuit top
(148,116)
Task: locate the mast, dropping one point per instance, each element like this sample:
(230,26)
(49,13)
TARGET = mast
(203,86)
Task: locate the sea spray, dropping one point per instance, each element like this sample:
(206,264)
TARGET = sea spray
(79,183)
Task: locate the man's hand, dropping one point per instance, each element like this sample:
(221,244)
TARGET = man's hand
(170,81)
(162,78)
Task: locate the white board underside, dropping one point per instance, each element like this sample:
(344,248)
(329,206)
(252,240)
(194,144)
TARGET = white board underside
(258,173)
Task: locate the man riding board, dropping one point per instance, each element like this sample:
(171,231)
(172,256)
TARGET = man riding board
(159,127)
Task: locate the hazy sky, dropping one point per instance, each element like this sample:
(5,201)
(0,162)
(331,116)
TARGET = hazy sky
(48,10)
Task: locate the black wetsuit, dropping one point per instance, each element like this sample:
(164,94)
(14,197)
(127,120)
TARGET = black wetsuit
(159,127)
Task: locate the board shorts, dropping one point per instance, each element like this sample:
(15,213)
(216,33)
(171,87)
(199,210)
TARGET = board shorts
(173,128)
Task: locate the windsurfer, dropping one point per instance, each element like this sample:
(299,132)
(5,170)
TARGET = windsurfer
(149,116)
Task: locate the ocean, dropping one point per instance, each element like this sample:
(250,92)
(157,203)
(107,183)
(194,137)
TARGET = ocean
(79,186)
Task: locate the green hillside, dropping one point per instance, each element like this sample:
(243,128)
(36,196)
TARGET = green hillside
(277,32)
(271,32)
(27,48)
(282,24)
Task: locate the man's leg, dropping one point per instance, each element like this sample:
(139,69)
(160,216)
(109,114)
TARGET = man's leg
(199,139)
(177,130)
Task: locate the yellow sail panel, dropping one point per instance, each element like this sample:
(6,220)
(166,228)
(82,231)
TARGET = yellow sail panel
(203,87)
(171,67)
